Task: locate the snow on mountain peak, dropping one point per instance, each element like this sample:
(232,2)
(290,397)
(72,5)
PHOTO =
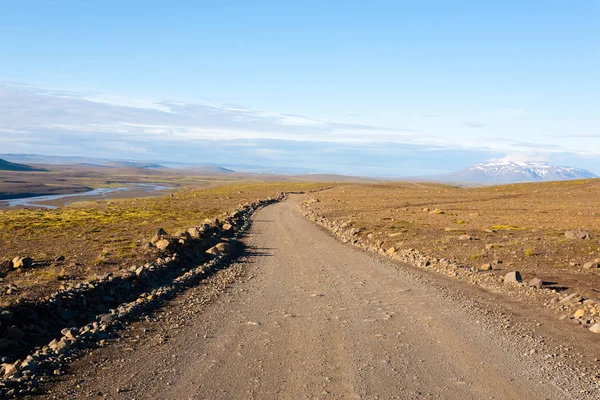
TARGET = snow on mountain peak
(519,171)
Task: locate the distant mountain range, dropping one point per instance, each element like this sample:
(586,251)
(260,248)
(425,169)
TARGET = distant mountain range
(9,166)
(495,173)
(515,172)
(155,164)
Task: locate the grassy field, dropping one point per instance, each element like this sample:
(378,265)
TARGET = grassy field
(100,236)
(514,227)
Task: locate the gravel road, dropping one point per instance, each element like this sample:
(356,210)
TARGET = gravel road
(303,316)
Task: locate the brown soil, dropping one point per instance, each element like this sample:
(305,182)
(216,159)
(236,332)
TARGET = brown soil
(514,227)
(302,316)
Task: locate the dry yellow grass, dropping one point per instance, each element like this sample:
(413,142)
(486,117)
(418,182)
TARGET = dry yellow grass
(101,236)
(521,225)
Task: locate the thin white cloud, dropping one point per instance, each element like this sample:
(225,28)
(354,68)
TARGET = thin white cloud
(35,115)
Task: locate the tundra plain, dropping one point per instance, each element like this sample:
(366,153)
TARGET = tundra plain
(505,228)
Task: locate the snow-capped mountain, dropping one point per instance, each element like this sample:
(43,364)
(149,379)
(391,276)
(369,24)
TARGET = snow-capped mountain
(514,172)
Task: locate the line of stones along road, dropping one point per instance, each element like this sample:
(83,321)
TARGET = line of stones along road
(44,336)
(573,307)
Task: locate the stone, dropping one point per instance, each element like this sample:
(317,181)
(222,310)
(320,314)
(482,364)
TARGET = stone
(577,235)
(163,244)
(536,283)
(59,347)
(9,369)
(224,248)
(391,251)
(227,227)
(513,277)
(579,313)
(213,251)
(572,298)
(595,328)
(69,333)
(465,237)
(108,318)
(6,315)
(14,333)
(591,265)
(160,233)
(194,232)
(22,262)
(485,267)
(59,259)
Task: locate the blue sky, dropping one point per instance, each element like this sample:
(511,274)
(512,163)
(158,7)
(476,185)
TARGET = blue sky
(371,88)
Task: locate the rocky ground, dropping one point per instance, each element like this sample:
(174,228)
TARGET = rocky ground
(304,316)
(73,244)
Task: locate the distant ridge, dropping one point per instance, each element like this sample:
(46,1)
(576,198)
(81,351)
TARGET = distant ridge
(9,166)
(496,173)
(134,164)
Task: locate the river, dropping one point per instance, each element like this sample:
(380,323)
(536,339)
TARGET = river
(145,189)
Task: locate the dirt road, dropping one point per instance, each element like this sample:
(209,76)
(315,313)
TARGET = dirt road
(305,316)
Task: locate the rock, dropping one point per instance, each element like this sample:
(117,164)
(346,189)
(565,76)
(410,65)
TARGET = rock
(214,251)
(163,244)
(27,365)
(485,267)
(572,298)
(579,313)
(224,248)
(577,235)
(9,369)
(536,283)
(591,265)
(59,347)
(513,277)
(14,333)
(194,232)
(6,315)
(160,233)
(59,259)
(69,333)
(391,251)
(108,318)
(227,227)
(465,237)
(595,328)
(22,262)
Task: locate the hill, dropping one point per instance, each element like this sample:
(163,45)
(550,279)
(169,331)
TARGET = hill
(9,166)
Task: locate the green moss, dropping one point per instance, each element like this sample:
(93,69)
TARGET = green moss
(505,227)
(529,253)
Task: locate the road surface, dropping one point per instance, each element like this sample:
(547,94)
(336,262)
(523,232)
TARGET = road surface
(305,317)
